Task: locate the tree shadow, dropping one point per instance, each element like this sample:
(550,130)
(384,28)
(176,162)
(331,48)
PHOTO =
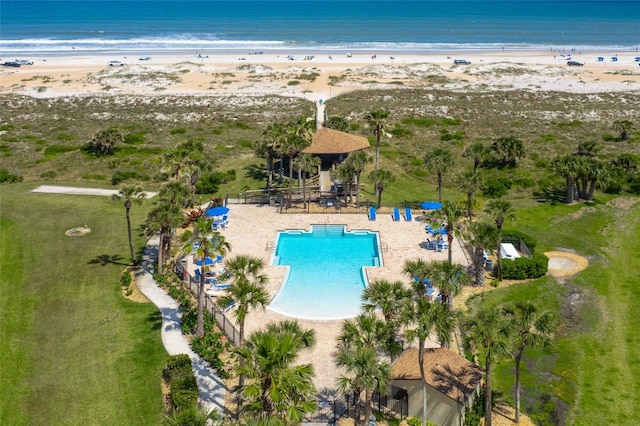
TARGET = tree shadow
(552,195)
(155,319)
(106,259)
(256,172)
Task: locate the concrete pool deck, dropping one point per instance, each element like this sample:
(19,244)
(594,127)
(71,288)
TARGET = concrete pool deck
(253,230)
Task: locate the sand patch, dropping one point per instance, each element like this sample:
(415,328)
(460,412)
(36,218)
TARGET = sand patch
(77,232)
(564,264)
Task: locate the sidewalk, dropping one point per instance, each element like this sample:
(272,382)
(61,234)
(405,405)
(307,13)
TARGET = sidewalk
(211,388)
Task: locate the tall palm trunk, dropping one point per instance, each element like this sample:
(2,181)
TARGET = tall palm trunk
(499,265)
(440,188)
(487,400)
(518,359)
(424,380)
(368,396)
(127,207)
(478,261)
(160,252)
(200,317)
(450,241)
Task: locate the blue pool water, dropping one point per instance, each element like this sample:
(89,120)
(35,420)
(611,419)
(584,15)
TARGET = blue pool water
(326,275)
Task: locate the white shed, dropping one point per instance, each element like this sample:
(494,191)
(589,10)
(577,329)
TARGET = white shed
(508,251)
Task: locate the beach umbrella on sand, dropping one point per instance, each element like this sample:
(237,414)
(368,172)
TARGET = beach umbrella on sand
(217,211)
(431,205)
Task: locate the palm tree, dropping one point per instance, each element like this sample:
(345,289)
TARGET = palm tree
(270,148)
(452,213)
(358,161)
(448,278)
(297,137)
(358,342)
(500,210)
(307,163)
(418,271)
(381,178)
(276,385)
(508,149)
(481,236)
(247,290)
(438,162)
(470,182)
(624,127)
(163,218)
(376,120)
(489,331)
(193,416)
(206,243)
(175,192)
(388,297)
(364,373)
(532,327)
(263,420)
(421,316)
(567,167)
(104,142)
(130,194)
(478,151)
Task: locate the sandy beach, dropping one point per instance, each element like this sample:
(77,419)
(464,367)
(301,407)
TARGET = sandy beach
(318,76)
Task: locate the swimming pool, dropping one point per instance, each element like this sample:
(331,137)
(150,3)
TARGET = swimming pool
(326,274)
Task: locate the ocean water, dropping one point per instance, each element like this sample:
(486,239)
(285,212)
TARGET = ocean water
(331,25)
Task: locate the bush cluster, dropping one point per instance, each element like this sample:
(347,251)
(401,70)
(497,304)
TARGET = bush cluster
(5,176)
(523,268)
(183,387)
(125,281)
(530,241)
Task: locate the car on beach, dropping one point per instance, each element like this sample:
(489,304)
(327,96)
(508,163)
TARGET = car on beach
(575,63)
(116,63)
(24,61)
(11,64)
(461,62)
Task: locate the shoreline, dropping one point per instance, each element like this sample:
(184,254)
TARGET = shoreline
(314,75)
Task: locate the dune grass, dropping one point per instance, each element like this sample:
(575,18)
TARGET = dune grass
(73,350)
(590,376)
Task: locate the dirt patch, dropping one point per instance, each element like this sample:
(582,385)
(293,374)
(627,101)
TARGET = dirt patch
(77,232)
(623,203)
(136,295)
(565,264)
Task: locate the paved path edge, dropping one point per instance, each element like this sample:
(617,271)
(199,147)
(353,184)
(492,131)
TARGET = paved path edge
(211,389)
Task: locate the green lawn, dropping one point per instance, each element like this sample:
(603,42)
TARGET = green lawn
(590,377)
(72,349)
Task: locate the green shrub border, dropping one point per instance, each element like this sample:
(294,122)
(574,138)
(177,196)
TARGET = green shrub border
(524,268)
(183,387)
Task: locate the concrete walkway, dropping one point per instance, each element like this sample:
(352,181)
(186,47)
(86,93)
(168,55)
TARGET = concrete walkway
(71,190)
(211,388)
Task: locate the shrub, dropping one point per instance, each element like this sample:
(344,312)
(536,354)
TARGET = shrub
(412,421)
(120,176)
(496,188)
(175,365)
(5,176)
(104,142)
(183,398)
(178,131)
(125,278)
(209,183)
(530,241)
(524,268)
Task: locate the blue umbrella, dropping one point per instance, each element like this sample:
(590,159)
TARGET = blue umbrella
(207,261)
(431,205)
(217,211)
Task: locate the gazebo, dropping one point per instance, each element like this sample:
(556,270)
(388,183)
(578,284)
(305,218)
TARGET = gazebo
(333,146)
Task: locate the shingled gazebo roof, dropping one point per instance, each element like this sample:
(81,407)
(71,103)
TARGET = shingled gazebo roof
(445,370)
(329,141)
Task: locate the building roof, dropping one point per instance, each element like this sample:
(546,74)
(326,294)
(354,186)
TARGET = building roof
(445,370)
(329,141)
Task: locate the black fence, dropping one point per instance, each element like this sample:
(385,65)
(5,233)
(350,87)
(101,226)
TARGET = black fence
(226,325)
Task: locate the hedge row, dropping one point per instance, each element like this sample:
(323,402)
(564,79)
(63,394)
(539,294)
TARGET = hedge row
(523,268)
(182,382)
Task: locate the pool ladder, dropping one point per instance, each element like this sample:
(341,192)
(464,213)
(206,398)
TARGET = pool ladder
(271,246)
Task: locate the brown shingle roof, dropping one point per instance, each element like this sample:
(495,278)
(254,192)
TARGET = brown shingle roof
(329,141)
(445,370)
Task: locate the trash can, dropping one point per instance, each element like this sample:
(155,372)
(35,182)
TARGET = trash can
(488,265)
